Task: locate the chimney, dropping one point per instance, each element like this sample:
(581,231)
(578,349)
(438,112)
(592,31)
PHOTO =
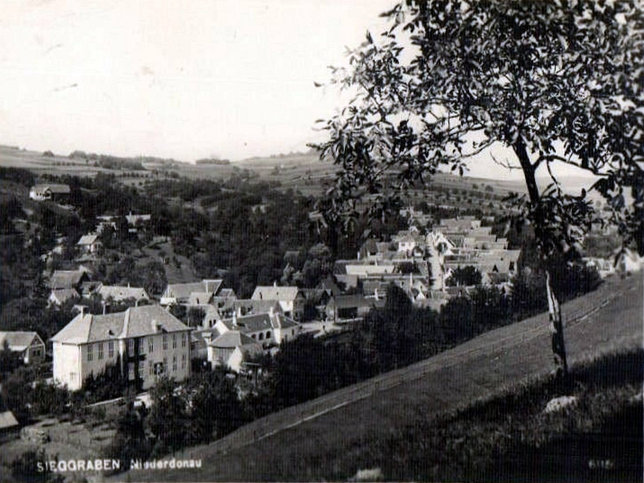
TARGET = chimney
(234,319)
(157,326)
(82,309)
(375,293)
(104,308)
(274,283)
(271,312)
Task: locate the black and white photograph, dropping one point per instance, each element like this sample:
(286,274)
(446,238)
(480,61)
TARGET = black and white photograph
(322,240)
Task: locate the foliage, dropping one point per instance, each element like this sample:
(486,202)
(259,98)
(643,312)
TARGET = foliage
(466,276)
(215,409)
(551,83)
(167,418)
(18,175)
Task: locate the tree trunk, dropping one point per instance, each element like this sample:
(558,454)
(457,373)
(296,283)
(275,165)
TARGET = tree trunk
(556,329)
(554,310)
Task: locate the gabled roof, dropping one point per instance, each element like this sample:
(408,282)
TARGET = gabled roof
(271,292)
(62,295)
(134,322)
(66,278)
(122,293)
(259,322)
(350,301)
(87,240)
(232,339)
(249,306)
(18,340)
(200,298)
(183,290)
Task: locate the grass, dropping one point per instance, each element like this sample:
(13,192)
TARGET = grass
(516,357)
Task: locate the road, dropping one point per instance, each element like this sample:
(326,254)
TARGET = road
(604,321)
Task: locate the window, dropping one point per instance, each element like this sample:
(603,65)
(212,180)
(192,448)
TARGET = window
(100,351)
(183,361)
(165,364)
(130,347)
(261,336)
(268,334)
(183,340)
(254,336)
(174,363)
(174,341)
(150,345)
(141,368)
(130,371)
(151,368)
(165,342)
(110,349)
(90,352)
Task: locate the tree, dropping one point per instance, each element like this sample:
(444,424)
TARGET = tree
(167,419)
(467,276)
(547,84)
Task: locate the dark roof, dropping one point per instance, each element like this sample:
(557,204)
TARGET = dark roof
(66,278)
(350,301)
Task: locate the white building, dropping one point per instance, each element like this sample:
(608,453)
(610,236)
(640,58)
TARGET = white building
(144,342)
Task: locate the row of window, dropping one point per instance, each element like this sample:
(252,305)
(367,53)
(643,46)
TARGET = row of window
(130,346)
(101,345)
(260,336)
(158,368)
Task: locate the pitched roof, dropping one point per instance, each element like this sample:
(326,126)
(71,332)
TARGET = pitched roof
(249,306)
(134,322)
(258,322)
(271,292)
(350,301)
(200,298)
(232,339)
(17,340)
(65,278)
(183,290)
(62,295)
(122,293)
(87,240)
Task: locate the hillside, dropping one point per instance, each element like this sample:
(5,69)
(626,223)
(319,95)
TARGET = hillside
(304,442)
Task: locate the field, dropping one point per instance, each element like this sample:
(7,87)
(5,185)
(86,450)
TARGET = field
(305,442)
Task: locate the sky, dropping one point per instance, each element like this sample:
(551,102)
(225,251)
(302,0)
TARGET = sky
(186,80)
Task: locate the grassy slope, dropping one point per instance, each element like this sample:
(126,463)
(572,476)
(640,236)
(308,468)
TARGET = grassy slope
(332,445)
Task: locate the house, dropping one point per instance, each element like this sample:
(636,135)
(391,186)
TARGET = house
(179,293)
(68,279)
(29,344)
(268,328)
(59,296)
(135,222)
(291,299)
(50,191)
(89,244)
(232,349)
(349,307)
(119,294)
(142,343)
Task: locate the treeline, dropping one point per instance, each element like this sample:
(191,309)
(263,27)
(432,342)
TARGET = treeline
(108,161)
(18,175)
